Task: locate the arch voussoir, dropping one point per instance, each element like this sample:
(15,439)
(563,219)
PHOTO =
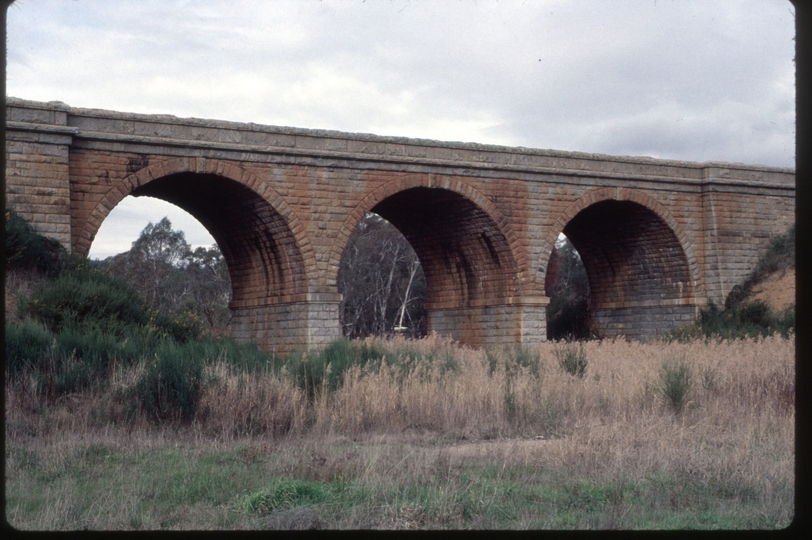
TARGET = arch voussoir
(642,269)
(474,262)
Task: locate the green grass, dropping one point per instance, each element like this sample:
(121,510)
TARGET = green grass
(100,486)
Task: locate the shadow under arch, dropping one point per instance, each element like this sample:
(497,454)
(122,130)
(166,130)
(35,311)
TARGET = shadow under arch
(642,271)
(254,228)
(464,246)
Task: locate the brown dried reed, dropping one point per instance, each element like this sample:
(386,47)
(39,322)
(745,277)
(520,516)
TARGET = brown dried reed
(486,396)
(736,431)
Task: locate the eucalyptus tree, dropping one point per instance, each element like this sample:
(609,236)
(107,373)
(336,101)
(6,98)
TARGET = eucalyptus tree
(381,281)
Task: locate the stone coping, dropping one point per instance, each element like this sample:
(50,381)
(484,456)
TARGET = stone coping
(168,130)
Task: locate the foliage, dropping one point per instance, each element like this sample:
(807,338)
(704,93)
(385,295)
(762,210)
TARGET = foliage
(572,359)
(173,278)
(171,385)
(675,383)
(568,288)
(743,317)
(749,318)
(209,287)
(28,250)
(326,368)
(151,263)
(27,345)
(779,256)
(82,323)
(381,281)
(83,295)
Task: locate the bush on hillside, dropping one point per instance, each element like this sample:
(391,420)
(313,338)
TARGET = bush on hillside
(752,318)
(779,256)
(29,250)
(27,345)
(83,296)
(743,316)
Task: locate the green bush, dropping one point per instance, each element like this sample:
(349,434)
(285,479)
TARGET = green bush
(27,346)
(754,313)
(171,385)
(744,319)
(741,316)
(327,368)
(572,359)
(82,295)
(181,327)
(29,250)
(93,348)
(675,384)
(246,357)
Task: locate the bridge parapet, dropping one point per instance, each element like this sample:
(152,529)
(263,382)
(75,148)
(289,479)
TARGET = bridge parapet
(254,140)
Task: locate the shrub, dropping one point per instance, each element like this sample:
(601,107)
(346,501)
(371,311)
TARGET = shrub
(91,347)
(754,313)
(171,384)
(245,357)
(572,359)
(81,295)
(181,327)
(29,250)
(27,345)
(327,367)
(675,384)
(685,333)
(744,319)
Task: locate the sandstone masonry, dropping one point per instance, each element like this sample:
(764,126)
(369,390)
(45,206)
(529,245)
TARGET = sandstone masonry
(659,238)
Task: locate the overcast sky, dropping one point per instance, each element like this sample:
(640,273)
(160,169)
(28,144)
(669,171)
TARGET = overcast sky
(689,80)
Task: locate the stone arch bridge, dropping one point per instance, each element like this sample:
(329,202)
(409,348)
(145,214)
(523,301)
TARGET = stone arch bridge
(659,239)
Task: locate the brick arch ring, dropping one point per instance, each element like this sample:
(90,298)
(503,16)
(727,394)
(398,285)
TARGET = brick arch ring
(619,194)
(214,167)
(427,181)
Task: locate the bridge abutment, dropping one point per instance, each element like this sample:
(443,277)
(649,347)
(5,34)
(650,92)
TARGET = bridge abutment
(283,328)
(501,325)
(641,322)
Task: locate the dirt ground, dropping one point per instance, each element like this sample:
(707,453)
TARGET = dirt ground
(778,290)
(490,448)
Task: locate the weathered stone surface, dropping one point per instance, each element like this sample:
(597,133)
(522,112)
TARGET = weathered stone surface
(659,238)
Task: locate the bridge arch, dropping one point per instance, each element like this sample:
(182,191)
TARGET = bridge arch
(465,245)
(268,255)
(642,270)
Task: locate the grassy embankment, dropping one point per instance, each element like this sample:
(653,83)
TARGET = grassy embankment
(141,425)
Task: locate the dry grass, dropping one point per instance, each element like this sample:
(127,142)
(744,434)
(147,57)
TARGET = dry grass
(386,428)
